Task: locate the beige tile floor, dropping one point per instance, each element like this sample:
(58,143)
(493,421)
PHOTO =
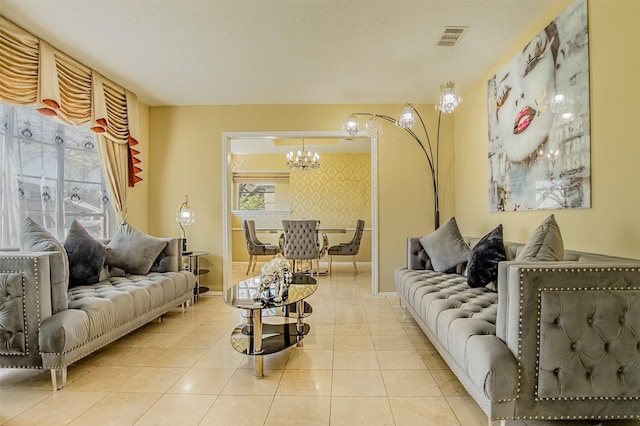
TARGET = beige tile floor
(364,362)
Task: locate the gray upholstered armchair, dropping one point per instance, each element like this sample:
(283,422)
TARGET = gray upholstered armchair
(348,249)
(255,247)
(301,242)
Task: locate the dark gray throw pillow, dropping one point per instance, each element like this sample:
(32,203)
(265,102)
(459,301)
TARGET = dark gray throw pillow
(86,256)
(446,247)
(484,259)
(133,250)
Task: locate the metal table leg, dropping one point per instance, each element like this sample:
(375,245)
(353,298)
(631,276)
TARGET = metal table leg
(299,323)
(257,343)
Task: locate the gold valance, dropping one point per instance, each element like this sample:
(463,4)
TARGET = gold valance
(32,72)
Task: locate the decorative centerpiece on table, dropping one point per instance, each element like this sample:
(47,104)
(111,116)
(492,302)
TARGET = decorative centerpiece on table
(275,278)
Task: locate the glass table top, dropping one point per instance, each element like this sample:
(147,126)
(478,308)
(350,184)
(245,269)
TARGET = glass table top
(241,295)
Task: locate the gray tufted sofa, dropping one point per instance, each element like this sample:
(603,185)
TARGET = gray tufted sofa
(558,340)
(44,325)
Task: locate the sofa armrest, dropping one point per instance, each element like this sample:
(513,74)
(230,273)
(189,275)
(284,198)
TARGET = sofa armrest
(417,258)
(169,259)
(25,301)
(573,327)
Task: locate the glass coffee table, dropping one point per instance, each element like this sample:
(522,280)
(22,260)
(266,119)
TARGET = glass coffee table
(256,338)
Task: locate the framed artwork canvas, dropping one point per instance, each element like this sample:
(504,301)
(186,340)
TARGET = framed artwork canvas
(538,113)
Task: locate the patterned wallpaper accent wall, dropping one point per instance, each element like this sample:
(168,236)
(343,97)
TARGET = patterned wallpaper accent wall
(339,193)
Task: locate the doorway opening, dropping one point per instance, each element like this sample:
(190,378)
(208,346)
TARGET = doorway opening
(280,143)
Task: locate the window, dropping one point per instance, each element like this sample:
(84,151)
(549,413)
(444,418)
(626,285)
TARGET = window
(51,173)
(253,196)
(261,191)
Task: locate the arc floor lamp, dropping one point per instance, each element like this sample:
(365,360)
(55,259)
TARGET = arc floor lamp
(447,103)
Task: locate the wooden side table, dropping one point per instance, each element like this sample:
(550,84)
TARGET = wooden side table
(193,265)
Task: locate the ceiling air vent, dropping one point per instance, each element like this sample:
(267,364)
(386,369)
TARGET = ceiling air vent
(451,36)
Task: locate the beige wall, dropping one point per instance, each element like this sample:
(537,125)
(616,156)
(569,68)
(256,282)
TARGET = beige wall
(612,225)
(185,156)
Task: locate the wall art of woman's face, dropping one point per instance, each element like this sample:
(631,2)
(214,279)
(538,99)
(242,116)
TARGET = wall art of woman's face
(523,92)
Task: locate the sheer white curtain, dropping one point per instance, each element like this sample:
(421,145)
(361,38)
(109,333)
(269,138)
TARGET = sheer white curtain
(10,211)
(50,172)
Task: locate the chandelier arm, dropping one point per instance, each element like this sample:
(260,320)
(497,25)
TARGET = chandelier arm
(429,159)
(384,117)
(415,137)
(424,128)
(433,161)
(435,167)
(438,160)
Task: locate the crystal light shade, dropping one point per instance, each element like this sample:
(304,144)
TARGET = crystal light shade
(351,126)
(185,217)
(304,160)
(449,100)
(372,128)
(407,117)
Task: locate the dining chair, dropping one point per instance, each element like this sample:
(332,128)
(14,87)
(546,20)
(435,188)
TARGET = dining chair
(255,247)
(348,249)
(301,242)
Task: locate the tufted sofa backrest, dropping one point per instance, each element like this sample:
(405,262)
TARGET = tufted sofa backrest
(418,259)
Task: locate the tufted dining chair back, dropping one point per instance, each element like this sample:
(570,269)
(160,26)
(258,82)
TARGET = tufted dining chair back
(301,242)
(348,249)
(255,247)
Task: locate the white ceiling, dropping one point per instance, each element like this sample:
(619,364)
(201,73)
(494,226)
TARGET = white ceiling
(321,145)
(174,52)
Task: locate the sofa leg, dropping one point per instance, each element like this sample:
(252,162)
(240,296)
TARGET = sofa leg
(59,378)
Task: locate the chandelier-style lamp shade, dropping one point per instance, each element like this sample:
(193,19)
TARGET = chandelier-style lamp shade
(304,160)
(351,126)
(409,116)
(185,217)
(448,100)
(372,128)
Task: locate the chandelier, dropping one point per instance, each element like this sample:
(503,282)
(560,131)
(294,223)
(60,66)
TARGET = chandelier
(304,160)
(448,101)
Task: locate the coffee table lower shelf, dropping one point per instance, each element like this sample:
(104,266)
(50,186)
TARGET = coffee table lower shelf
(275,338)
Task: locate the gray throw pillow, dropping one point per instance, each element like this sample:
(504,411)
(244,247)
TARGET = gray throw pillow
(133,250)
(445,247)
(34,237)
(86,256)
(545,243)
